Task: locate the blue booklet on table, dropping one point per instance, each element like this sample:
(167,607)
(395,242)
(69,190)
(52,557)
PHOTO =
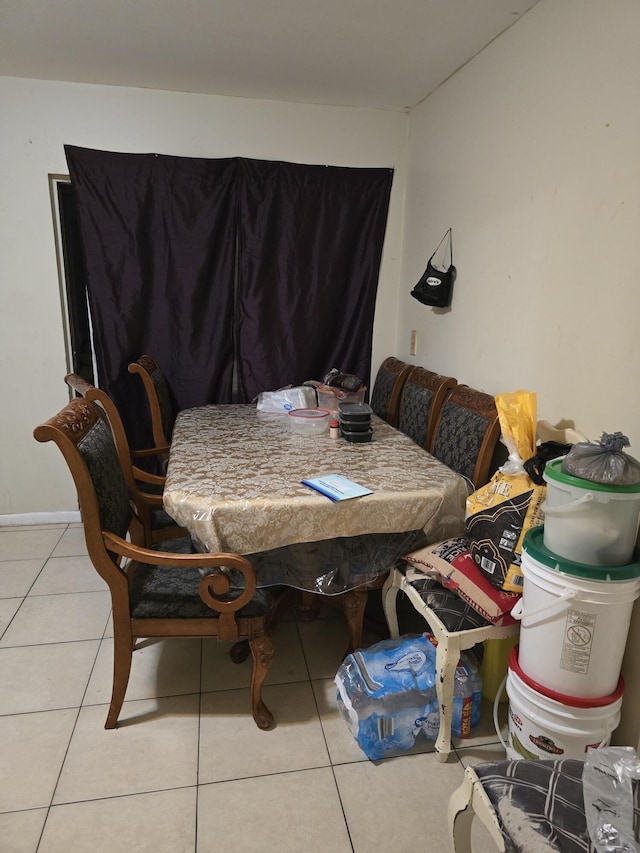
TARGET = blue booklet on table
(336,487)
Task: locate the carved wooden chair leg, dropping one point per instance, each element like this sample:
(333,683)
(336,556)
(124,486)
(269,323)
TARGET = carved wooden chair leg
(447,655)
(262,652)
(460,815)
(467,801)
(122,655)
(308,606)
(282,597)
(352,604)
(240,651)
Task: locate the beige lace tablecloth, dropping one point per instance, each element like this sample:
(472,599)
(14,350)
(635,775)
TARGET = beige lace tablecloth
(234,481)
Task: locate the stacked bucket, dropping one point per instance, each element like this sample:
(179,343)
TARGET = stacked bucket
(581,579)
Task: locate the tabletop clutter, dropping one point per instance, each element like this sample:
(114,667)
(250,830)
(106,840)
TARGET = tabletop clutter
(335,403)
(550,542)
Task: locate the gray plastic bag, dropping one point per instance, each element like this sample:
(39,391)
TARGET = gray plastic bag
(603,462)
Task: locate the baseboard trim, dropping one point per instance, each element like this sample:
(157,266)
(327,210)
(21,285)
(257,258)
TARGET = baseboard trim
(39,518)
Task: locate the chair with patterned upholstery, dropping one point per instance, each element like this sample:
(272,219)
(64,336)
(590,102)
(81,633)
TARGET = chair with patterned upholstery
(145,489)
(526,806)
(422,397)
(466,433)
(465,436)
(162,407)
(455,625)
(387,388)
(155,592)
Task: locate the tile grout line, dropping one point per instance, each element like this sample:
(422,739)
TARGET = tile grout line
(324,737)
(66,752)
(63,530)
(195,829)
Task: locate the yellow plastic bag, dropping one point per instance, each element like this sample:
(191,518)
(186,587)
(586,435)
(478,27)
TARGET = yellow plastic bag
(499,514)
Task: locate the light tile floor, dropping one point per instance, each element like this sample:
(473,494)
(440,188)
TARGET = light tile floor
(187,770)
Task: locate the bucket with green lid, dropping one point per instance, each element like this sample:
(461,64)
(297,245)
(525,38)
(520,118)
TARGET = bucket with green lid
(574,619)
(589,522)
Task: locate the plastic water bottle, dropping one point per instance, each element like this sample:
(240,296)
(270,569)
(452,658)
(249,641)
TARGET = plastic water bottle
(467,698)
(386,692)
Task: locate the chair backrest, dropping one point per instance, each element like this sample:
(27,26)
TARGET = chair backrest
(86,442)
(466,433)
(387,388)
(108,410)
(141,485)
(422,397)
(161,404)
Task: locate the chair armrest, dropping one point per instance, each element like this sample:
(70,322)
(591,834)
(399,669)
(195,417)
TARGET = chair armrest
(160,450)
(164,558)
(150,498)
(214,587)
(145,477)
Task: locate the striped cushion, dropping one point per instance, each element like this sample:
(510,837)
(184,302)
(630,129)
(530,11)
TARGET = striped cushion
(540,804)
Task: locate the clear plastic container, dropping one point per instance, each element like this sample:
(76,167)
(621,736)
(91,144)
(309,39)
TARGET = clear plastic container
(330,398)
(309,421)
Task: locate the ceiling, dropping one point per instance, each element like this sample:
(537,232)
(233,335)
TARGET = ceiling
(387,54)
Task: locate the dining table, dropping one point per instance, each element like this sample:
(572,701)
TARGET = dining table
(235,482)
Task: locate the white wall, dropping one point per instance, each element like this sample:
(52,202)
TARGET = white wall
(532,154)
(38,118)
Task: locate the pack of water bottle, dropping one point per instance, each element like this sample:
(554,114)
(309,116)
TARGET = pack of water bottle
(387,695)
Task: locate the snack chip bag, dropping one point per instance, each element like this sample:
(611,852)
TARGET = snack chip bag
(499,514)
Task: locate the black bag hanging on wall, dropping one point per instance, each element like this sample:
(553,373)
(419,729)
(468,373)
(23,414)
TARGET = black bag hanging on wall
(436,285)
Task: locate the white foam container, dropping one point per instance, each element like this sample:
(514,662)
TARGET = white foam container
(589,522)
(574,620)
(547,725)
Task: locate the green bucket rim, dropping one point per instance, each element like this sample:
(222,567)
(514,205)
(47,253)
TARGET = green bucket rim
(534,546)
(552,472)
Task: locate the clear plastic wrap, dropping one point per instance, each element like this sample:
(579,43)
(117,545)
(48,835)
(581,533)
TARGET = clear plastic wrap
(333,566)
(603,462)
(607,785)
(235,481)
(286,399)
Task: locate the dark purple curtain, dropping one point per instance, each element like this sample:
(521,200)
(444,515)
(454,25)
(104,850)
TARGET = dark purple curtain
(159,234)
(202,263)
(310,245)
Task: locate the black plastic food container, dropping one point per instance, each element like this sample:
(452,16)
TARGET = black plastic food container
(360,435)
(355,412)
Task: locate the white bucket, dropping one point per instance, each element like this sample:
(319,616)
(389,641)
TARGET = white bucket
(545,725)
(574,620)
(589,522)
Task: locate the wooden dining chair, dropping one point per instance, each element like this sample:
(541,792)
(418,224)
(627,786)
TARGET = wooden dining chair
(466,433)
(145,489)
(162,406)
(155,592)
(422,397)
(387,388)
